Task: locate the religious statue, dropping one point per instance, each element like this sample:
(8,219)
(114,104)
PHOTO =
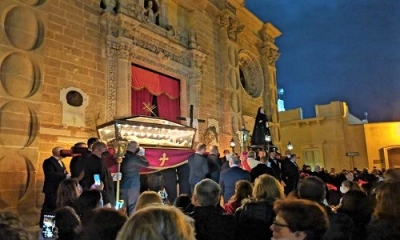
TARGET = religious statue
(150,15)
(109,5)
(260,129)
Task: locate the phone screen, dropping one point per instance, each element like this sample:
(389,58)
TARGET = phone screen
(97,179)
(49,223)
(119,204)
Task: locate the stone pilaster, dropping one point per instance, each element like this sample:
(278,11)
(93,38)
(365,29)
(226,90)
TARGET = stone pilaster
(269,55)
(232,117)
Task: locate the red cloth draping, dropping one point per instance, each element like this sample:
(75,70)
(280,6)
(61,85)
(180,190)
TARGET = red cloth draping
(155,83)
(138,97)
(168,108)
(173,158)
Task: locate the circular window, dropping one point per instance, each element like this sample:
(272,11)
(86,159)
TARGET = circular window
(251,77)
(74,98)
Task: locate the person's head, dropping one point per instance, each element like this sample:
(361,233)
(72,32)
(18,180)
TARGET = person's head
(251,154)
(317,168)
(132,146)
(349,185)
(392,175)
(298,219)
(182,201)
(158,222)
(56,152)
(201,148)
(263,159)
(68,192)
(206,193)
(98,148)
(147,198)
(356,202)
(261,110)
(243,189)
(150,4)
(293,158)
(388,201)
(80,144)
(333,170)
(261,153)
(214,149)
(272,155)
(103,224)
(88,200)
(312,188)
(226,151)
(91,141)
(234,160)
(67,222)
(243,156)
(267,188)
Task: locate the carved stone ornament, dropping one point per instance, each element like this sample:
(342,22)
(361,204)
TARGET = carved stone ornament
(227,20)
(273,55)
(252,72)
(134,41)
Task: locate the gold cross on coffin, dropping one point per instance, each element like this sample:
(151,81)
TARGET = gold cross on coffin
(149,108)
(163,159)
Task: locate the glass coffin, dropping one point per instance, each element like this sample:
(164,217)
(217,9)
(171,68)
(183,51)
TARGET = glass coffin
(148,131)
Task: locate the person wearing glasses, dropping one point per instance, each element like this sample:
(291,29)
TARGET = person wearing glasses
(299,219)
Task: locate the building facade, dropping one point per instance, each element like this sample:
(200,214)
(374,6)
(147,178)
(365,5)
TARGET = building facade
(336,138)
(65,67)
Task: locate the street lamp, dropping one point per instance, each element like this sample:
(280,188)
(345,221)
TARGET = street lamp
(243,135)
(289,146)
(119,144)
(268,140)
(232,144)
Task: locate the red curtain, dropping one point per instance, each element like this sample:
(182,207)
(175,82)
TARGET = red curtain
(146,84)
(155,83)
(138,97)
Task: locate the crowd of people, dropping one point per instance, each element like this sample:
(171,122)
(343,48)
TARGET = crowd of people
(257,195)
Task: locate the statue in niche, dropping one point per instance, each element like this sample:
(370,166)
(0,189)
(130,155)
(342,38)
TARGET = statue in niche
(151,13)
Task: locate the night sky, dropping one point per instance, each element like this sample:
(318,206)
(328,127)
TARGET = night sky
(337,50)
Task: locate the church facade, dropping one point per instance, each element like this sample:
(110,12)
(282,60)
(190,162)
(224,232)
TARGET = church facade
(67,66)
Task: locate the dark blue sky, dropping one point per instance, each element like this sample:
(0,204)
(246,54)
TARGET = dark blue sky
(337,50)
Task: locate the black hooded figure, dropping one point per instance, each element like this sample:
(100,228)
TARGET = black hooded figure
(260,129)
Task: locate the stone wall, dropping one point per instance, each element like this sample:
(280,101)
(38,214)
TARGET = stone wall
(65,67)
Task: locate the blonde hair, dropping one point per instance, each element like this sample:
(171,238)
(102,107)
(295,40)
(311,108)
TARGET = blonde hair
(267,188)
(147,198)
(158,222)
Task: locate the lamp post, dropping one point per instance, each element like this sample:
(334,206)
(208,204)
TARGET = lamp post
(289,146)
(232,144)
(268,140)
(120,144)
(243,135)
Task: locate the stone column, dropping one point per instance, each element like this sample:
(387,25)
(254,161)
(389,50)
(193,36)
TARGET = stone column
(123,85)
(232,106)
(269,55)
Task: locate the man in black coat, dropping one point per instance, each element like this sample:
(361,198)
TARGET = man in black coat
(275,165)
(229,177)
(95,165)
(77,164)
(290,173)
(262,168)
(54,173)
(198,166)
(210,221)
(130,168)
(213,164)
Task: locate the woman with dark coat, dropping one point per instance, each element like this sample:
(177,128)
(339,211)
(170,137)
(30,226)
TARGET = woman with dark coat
(385,223)
(256,215)
(260,129)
